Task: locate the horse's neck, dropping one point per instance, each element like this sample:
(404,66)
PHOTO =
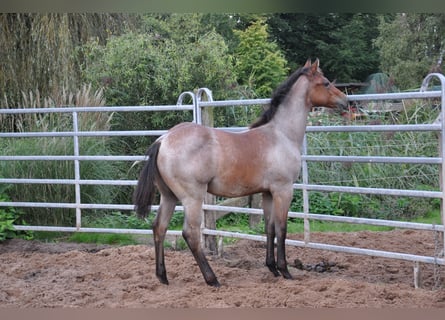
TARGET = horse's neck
(291,117)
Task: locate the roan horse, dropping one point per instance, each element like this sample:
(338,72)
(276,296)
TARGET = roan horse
(191,160)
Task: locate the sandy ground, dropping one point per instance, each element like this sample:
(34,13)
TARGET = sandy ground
(36,274)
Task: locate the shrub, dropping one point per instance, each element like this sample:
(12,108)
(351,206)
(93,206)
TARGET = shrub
(9,217)
(144,69)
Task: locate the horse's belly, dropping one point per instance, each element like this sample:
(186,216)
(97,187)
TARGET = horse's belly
(233,189)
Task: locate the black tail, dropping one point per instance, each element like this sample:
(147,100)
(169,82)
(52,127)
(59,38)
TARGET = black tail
(144,194)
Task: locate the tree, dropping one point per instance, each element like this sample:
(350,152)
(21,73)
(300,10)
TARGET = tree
(342,41)
(411,46)
(259,62)
(154,68)
(349,54)
(37,51)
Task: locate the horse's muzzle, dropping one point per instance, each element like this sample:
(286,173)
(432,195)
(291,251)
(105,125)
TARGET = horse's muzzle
(343,103)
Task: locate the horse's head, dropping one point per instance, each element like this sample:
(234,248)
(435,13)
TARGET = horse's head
(322,93)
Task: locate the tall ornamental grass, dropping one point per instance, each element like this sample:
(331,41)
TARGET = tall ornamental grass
(38,122)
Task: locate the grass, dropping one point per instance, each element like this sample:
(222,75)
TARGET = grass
(296,226)
(104,238)
(87,237)
(323,226)
(432,217)
(57,146)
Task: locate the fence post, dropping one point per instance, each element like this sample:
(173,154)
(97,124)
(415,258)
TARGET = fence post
(77,170)
(441,136)
(209,216)
(255,201)
(305,179)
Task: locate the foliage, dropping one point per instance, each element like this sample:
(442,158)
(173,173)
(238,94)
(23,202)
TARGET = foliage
(375,175)
(233,220)
(153,69)
(126,221)
(342,41)
(349,53)
(37,50)
(103,238)
(49,46)
(113,220)
(365,206)
(411,45)
(259,63)
(155,66)
(150,59)
(9,217)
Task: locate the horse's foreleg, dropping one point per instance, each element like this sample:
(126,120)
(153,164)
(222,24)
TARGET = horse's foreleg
(160,225)
(270,233)
(192,235)
(281,203)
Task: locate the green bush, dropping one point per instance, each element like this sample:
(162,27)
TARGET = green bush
(259,63)
(141,69)
(115,220)
(9,217)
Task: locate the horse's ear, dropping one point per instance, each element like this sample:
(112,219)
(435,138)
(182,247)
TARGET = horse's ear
(315,66)
(308,63)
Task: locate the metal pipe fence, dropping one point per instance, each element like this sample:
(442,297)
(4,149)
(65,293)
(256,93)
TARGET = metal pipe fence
(196,107)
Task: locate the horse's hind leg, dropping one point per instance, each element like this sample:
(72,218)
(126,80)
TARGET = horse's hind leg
(192,235)
(160,224)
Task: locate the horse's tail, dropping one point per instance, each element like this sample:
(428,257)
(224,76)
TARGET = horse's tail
(144,194)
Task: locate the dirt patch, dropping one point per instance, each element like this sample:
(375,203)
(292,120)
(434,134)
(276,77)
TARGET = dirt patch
(36,274)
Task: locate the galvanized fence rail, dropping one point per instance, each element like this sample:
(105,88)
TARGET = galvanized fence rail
(196,107)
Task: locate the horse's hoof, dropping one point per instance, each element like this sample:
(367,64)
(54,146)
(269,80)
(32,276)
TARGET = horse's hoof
(214,283)
(274,270)
(163,280)
(286,275)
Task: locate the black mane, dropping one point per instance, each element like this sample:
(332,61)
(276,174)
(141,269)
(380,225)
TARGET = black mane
(277,98)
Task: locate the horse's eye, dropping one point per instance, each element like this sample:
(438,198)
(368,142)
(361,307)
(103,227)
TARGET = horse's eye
(327,84)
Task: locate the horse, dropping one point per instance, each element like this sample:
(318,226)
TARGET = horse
(191,160)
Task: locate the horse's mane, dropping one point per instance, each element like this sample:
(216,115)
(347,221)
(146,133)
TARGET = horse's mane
(277,98)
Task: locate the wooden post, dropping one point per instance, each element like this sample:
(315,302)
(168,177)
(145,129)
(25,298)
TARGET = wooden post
(210,223)
(209,215)
(417,275)
(255,201)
